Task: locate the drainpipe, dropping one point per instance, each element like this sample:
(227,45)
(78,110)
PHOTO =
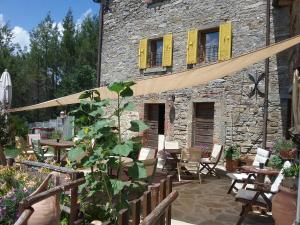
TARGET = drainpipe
(267,70)
(101,19)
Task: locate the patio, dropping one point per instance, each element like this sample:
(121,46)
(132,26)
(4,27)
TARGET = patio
(208,203)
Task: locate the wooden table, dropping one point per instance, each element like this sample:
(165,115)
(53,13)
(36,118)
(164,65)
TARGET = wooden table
(261,173)
(57,146)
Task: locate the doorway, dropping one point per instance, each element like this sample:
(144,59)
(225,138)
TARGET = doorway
(154,115)
(203,124)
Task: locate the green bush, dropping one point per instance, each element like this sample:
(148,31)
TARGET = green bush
(275,162)
(292,171)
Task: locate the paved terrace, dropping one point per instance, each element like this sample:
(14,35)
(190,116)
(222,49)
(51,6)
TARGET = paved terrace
(209,204)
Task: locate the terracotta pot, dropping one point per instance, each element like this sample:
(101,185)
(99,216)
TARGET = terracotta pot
(231,165)
(284,205)
(288,154)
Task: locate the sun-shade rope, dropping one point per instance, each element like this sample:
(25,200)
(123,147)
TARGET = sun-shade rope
(180,80)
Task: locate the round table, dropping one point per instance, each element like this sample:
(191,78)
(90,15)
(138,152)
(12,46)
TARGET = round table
(261,173)
(57,145)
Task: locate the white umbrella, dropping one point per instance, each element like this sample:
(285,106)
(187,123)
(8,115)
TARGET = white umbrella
(5,89)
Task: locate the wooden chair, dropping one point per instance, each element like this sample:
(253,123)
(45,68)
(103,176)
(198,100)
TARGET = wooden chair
(190,161)
(262,156)
(150,166)
(169,159)
(211,162)
(147,153)
(261,196)
(41,153)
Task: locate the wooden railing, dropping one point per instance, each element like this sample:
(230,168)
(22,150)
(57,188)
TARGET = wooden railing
(72,210)
(153,207)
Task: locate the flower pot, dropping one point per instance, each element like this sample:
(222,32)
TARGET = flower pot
(231,165)
(284,205)
(288,154)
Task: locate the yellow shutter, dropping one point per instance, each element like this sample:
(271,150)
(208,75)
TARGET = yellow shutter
(225,41)
(192,47)
(168,50)
(143,54)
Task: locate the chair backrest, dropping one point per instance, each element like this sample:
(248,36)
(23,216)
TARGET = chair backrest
(171,145)
(191,155)
(147,153)
(216,152)
(261,156)
(279,178)
(33,137)
(150,166)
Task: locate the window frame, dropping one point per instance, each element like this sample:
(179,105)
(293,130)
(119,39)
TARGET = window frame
(202,45)
(153,63)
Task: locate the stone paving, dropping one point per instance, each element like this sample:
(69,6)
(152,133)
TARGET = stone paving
(209,204)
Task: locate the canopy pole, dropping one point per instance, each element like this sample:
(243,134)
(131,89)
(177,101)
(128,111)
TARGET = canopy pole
(267,72)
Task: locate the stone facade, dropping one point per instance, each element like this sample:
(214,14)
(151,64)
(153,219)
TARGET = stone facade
(237,117)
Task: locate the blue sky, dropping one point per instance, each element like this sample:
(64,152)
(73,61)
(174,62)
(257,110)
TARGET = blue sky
(24,15)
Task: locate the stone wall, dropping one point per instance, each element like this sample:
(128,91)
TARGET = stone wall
(238,118)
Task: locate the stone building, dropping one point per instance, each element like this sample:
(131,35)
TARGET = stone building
(146,38)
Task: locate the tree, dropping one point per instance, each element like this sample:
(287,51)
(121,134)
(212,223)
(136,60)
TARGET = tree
(68,43)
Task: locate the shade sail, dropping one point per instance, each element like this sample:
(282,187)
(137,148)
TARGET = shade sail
(5,89)
(181,80)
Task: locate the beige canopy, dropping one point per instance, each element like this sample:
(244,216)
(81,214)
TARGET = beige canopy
(296,103)
(181,80)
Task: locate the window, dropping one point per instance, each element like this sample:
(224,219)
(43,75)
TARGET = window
(208,46)
(155,52)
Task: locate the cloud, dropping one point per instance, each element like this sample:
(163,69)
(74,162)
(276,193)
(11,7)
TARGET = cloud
(21,37)
(2,22)
(83,16)
(59,26)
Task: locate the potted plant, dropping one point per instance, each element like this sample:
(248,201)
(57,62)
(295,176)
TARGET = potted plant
(275,162)
(285,148)
(285,201)
(232,156)
(56,135)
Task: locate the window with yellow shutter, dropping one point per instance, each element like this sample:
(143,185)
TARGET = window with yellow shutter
(156,52)
(208,46)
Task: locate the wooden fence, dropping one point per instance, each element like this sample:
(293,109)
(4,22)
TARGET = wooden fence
(153,207)
(76,180)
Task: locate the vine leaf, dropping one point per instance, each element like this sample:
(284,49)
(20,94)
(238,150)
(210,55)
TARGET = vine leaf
(138,126)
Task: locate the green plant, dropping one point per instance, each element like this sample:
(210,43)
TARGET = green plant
(283,145)
(101,146)
(17,127)
(15,185)
(292,171)
(56,134)
(275,162)
(233,152)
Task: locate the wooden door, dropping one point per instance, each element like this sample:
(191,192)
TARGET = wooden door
(203,124)
(152,119)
